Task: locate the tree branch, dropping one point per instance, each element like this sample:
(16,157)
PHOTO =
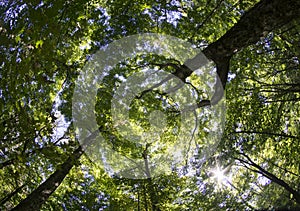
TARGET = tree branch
(272,177)
(264,17)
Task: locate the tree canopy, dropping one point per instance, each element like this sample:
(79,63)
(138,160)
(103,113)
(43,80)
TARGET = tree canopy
(246,158)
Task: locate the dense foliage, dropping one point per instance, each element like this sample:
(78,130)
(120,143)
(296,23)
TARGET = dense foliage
(44,47)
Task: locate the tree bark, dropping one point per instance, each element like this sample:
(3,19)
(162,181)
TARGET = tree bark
(39,196)
(264,17)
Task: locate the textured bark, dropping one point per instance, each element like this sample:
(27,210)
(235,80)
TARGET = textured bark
(39,196)
(264,17)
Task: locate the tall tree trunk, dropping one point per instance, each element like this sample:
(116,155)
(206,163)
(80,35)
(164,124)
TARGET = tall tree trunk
(39,196)
(264,17)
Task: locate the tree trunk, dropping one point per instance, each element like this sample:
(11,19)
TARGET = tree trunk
(264,17)
(39,196)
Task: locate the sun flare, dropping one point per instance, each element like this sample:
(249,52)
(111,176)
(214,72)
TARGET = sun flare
(218,174)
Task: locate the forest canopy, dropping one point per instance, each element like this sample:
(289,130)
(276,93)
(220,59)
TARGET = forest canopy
(150,105)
